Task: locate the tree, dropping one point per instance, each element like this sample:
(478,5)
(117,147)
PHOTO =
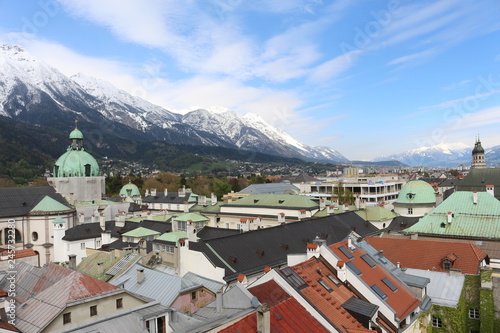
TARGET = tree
(220,187)
(344,195)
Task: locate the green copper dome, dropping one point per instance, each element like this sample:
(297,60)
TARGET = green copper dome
(130,190)
(76,162)
(76,134)
(416,192)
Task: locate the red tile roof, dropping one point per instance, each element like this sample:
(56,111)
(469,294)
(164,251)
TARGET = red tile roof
(328,303)
(287,315)
(18,254)
(428,255)
(403,301)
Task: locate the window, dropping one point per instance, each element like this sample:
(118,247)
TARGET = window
(119,303)
(182,225)
(193,295)
(66,318)
(446,265)
(93,310)
(410,211)
(34,236)
(436,322)
(82,246)
(98,243)
(474,313)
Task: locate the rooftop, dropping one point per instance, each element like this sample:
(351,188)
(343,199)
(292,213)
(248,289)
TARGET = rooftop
(428,255)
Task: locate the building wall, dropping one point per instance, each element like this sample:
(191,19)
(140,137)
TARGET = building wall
(37,230)
(197,263)
(418,211)
(105,306)
(256,211)
(193,300)
(79,188)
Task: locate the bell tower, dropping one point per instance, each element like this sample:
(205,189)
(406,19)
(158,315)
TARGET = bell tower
(478,160)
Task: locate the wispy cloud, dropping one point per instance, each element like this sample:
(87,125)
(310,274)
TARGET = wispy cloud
(412,57)
(456,85)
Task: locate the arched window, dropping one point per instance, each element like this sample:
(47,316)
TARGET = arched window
(34,236)
(87,170)
(13,235)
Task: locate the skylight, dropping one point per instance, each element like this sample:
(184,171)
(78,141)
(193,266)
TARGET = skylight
(321,282)
(334,279)
(368,260)
(389,284)
(346,252)
(353,268)
(379,291)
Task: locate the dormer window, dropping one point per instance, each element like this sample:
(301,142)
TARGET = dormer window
(448,261)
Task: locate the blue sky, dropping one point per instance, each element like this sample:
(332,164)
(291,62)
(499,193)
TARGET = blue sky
(367,78)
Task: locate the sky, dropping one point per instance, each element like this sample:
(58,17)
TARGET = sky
(366,78)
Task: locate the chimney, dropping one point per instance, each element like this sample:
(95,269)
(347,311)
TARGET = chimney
(244,224)
(153,192)
(313,250)
(281,218)
(120,219)
(202,200)
(330,209)
(450,217)
(346,207)
(146,193)
(242,278)
(229,199)
(72,261)
(81,218)
(398,264)
(186,207)
(191,231)
(165,192)
(474,197)
(263,319)
(102,221)
(173,316)
(335,202)
(362,204)
(490,189)
(140,275)
(341,271)
(100,268)
(182,191)
(218,302)
(322,203)
(349,243)
(213,199)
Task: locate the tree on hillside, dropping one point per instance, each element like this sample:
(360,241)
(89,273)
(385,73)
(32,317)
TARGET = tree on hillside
(221,187)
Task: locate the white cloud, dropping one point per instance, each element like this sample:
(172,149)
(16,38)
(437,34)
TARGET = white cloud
(412,57)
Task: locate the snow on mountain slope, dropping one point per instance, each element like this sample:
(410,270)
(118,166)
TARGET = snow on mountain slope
(443,154)
(34,91)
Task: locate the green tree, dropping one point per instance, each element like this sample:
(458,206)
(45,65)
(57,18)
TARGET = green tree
(221,187)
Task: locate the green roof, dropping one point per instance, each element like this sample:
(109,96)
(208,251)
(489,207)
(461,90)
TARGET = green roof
(47,204)
(58,220)
(416,192)
(376,213)
(72,164)
(208,208)
(275,200)
(140,232)
(195,217)
(158,218)
(94,203)
(172,236)
(481,220)
(76,134)
(130,190)
(89,264)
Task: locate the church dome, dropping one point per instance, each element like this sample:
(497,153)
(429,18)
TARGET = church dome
(416,192)
(76,162)
(478,148)
(130,190)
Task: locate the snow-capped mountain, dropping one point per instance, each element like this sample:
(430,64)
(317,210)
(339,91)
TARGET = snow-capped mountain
(38,93)
(440,155)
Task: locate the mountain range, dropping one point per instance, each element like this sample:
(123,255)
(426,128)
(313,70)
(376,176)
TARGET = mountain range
(34,92)
(443,155)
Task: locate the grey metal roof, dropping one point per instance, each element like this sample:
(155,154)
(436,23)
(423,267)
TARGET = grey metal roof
(237,302)
(17,201)
(212,285)
(170,288)
(444,288)
(121,264)
(477,179)
(120,322)
(360,306)
(270,188)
